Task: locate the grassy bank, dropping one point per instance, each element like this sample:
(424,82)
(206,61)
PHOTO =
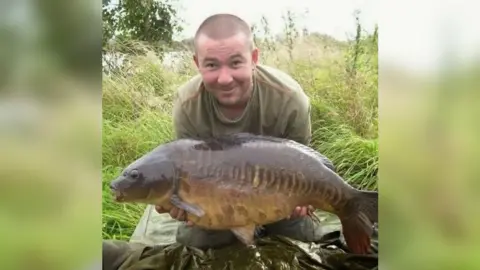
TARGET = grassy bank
(339,77)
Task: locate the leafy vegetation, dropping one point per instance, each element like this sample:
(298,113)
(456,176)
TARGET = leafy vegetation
(339,77)
(153,22)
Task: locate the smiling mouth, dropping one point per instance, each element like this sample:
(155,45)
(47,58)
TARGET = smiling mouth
(227,92)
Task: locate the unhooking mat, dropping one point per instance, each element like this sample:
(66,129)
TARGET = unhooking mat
(271,252)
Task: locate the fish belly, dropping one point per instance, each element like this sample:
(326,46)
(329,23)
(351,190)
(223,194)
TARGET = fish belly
(228,207)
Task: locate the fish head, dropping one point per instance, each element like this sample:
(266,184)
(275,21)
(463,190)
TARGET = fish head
(148,180)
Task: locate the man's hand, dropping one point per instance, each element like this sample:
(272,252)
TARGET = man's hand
(175,213)
(302,211)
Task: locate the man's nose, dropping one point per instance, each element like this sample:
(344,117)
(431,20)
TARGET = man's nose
(224,77)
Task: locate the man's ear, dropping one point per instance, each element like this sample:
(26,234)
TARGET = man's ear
(195,59)
(255,53)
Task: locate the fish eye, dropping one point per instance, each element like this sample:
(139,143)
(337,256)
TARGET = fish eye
(134,173)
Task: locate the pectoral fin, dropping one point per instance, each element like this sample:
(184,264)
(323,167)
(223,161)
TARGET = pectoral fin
(245,234)
(190,208)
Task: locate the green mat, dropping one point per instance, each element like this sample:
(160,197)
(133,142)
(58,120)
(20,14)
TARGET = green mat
(272,252)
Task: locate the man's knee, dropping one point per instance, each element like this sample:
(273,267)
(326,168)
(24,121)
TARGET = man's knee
(155,228)
(204,239)
(116,252)
(302,229)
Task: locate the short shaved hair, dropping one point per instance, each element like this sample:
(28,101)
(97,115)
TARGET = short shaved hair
(222,26)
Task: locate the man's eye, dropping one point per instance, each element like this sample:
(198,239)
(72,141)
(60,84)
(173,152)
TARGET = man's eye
(236,63)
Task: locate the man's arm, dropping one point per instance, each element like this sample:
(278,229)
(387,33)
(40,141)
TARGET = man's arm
(182,126)
(299,126)
(299,129)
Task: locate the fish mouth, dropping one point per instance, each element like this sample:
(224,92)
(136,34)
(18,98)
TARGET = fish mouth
(118,195)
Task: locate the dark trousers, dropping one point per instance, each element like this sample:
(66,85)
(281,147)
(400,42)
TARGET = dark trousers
(303,229)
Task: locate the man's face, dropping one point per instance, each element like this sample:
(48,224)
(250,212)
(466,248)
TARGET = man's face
(226,67)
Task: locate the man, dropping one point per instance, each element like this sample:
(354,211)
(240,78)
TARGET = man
(232,93)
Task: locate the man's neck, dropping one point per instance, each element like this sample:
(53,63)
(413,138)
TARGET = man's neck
(235,111)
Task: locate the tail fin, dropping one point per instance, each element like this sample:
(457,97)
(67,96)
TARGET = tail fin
(357,221)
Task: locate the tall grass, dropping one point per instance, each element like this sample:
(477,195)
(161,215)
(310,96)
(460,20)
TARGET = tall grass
(339,77)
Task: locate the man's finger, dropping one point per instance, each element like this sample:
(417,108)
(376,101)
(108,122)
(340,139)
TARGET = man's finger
(179,214)
(182,215)
(303,212)
(159,209)
(174,213)
(296,212)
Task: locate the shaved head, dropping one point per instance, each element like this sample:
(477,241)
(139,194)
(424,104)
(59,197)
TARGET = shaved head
(223,26)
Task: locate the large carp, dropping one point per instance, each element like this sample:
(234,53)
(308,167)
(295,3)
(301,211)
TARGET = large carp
(236,182)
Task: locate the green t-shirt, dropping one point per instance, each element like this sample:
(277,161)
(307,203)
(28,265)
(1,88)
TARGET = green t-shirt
(278,107)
